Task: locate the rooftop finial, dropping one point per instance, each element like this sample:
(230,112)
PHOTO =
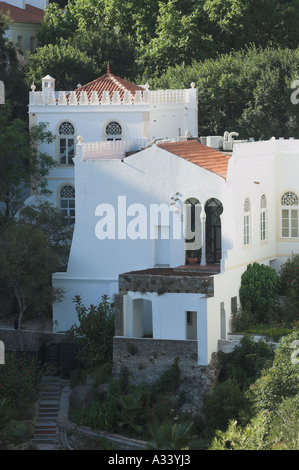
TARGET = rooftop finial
(108,67)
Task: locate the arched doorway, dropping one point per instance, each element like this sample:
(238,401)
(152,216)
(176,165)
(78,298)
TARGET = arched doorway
(213,210)
(192,230)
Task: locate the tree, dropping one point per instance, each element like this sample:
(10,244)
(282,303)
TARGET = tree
(94,334)
(67,64)
(259,290)
(26,266)
(11,73)
(279,382)
(22,165)
(54,226)
(247,91)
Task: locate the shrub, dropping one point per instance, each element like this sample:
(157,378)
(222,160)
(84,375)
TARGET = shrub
(226,402)
(245,363)
(259,290)
(94,334)
(252,437)
(20,380)
(169,381)
(280,381)
(289,281)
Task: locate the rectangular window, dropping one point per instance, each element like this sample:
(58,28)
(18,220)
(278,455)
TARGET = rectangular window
(289,223)
(263,225)
(246,229)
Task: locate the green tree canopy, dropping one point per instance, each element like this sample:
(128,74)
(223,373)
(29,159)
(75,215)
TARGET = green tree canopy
(247,91)
(26,266)
(22,165)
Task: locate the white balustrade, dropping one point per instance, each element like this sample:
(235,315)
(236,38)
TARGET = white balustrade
(63,98)
(114,149)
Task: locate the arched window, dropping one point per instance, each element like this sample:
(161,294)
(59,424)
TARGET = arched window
(113,131)
(67,203)
(263,227)
(66,143)
(289,216)
(247,222)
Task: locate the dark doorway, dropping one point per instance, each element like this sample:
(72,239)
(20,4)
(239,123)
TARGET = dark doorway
(213,211)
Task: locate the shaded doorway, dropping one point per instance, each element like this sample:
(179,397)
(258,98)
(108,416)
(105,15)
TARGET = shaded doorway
(213,210)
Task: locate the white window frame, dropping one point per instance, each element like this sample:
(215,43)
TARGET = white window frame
(67,204)
(246,222)
(263,218)
(289,216)
(70,148)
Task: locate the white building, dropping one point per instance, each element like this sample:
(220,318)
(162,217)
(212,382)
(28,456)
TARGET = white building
(26,19)
(131,193)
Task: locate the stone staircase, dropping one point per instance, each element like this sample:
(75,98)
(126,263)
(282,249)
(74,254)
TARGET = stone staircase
(45,429)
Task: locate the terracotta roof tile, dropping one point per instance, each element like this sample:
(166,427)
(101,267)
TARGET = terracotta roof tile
(28,15)
(109,82)
(199,154)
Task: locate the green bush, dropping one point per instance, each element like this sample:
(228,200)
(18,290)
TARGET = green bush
(20,379)
(246,362)
(289,281)
(225,403)
(94,334)
(259,291)
(280,381)
(252,437)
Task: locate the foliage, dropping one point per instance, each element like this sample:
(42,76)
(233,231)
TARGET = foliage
(65,63)
(54,225)
(284,433)
(280,381)
(246,362)
(26,266)
(252,437)
(171,436)
(226,402)
(6,416)
(94,334)
(289,281)
(23,166)
(169,381)
(20,379)
(248,91)
(259,290)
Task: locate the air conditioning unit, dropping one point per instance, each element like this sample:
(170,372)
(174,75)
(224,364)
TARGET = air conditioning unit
(215,141)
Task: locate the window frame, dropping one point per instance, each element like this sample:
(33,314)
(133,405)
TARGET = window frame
(290,208)
(263,218)
(68,149)
(246,222)
(66,211)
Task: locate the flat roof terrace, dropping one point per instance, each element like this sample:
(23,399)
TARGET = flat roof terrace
(168,280)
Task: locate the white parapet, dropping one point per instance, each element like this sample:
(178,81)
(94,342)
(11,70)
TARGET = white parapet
(68,98)
(115,149)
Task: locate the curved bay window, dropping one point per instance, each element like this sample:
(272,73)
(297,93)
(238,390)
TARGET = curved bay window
(113,131)
(289,216)
(67,203)
(66,144)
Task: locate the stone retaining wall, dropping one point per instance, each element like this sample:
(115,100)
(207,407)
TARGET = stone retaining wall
(31,340)
(146,359)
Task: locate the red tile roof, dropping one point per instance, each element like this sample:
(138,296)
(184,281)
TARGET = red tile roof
(19,15)
(109,82)
(199,154)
